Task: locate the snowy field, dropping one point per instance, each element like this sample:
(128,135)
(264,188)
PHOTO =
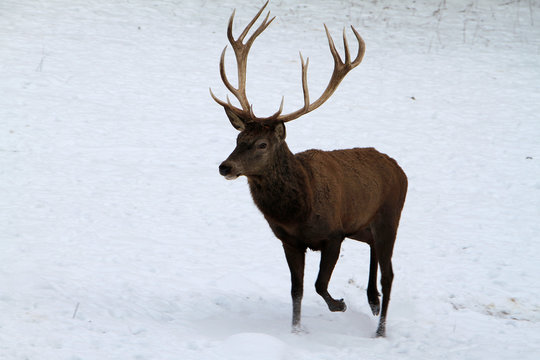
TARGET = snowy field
(119,239)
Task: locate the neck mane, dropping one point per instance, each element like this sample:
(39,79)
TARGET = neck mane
(282,193)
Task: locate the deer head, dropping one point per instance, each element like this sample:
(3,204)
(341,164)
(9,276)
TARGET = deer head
(260,137)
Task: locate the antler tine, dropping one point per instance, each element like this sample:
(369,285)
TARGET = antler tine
(346,47)
(261,27)
(241,51)
(335,55)
(216,99)
(276,116)
(265,23)
(227,104)
(270,119)
(304,82)
(340,71)
(361,48)
(229,28)
(248,27)
(228,85)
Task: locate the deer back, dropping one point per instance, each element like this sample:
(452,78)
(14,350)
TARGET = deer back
(349,187)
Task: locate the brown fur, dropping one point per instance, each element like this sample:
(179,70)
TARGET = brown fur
(315,199)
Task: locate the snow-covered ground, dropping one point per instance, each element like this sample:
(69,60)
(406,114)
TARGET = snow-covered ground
(119,239)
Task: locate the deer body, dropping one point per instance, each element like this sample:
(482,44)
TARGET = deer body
(320,193)
(315,199)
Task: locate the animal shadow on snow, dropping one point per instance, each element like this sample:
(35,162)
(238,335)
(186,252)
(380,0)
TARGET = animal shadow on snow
(235,314)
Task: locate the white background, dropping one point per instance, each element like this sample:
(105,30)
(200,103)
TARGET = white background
(119,239)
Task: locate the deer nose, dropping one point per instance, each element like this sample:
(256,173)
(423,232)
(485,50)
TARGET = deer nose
(224,169)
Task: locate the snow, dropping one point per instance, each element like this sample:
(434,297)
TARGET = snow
(119,239)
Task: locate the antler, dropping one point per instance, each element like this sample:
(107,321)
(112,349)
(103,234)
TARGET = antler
(241,51)
(341,68)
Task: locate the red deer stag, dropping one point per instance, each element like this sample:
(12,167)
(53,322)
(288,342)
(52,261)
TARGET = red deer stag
(315,199)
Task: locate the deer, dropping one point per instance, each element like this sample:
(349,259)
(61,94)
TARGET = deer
(314,199)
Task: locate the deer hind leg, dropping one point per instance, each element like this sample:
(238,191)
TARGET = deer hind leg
(384,233)
(296,260)
(372,292)
(329,257)
(373,295)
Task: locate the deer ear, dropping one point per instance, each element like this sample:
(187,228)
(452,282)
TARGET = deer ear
(280,131)
(236,121)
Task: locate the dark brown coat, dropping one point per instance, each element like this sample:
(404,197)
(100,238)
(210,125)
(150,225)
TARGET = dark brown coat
(316,198)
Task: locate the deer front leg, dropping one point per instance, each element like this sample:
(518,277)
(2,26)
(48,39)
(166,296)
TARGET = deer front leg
(296,260)
(329,257)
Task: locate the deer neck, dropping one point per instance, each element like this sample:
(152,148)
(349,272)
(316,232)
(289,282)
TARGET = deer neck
(282,192)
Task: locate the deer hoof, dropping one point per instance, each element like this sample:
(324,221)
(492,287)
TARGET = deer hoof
(381,329)
(299,330)
(337,305)
(375,308)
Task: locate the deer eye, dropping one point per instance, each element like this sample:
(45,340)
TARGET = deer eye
(262,145)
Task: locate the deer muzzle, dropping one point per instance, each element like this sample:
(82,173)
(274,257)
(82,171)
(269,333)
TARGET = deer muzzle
(226,169)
